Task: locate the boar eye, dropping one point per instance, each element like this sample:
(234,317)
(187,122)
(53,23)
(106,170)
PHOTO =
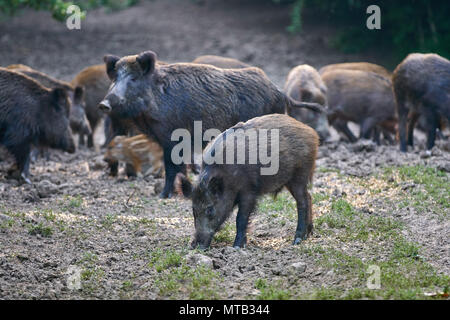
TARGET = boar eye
(210,212)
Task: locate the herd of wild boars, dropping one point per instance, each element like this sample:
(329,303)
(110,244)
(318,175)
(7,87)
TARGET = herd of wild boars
(142,101)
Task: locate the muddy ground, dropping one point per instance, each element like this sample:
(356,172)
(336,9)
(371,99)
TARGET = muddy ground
(77,233)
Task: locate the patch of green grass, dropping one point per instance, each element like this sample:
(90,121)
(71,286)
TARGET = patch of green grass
(7,224)
(108,221)
(319,197)
(226,234)
(403,274)
(199,283)
(163,260)
(282,203)
(435,194)
(72,204)
(41,229)
(271,291)
(347,224)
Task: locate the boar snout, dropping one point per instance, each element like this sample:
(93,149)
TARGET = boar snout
(105,106)
(201,241)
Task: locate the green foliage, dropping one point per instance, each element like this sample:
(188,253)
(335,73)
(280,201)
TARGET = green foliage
(58,8)
(406,26)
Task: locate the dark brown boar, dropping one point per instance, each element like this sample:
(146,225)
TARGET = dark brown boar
(78,120)
(305,84)
(31,114)
(162,98)
(422,87)
(362,97)
(221,187)
(221,62)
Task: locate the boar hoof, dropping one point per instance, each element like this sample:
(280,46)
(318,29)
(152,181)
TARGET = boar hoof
(297,241)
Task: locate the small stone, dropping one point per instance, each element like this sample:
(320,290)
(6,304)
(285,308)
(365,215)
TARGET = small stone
(298,267)
(198,259)
(364,145)
(45,188)
(425,154)
(98,163)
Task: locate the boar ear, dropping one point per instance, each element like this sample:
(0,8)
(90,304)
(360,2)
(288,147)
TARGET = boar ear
(215,185)
(110,62)
(78,94)
(147,61)
(59,97)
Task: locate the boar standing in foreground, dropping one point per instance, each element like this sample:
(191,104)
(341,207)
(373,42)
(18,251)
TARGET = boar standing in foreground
(31,114)
(160,99)
(138,151)
(362,97)
(422,87)
(221,62)
(221,187)
(305,84)
(78,121)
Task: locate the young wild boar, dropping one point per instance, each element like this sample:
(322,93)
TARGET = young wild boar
(162,98)
(31,114)
(305,84)
(221,62)
(362,97)
(78,120)
(221,187)
(422,87)
(137,151)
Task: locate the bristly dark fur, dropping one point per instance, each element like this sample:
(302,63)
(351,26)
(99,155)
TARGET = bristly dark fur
(422,87)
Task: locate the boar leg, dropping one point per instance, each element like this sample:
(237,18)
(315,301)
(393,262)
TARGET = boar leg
(171,172)
(80,139)
(341,126)
(402,124)
(22,155)
(411,124)
(298,189)
(432,121)
(376,136)
(247,204)
(367,126)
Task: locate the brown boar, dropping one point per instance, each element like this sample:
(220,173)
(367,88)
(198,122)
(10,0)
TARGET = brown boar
(305,84)
(362,97)
(137,151)
(221,187)
(422,87)
(95,82)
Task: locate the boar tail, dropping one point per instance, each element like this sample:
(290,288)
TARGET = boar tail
(308,105)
